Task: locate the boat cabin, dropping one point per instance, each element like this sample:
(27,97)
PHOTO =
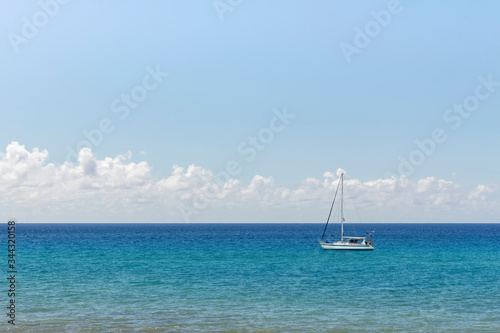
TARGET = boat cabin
(355,240)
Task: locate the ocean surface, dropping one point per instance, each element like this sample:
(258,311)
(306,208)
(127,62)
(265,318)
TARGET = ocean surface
(252,278)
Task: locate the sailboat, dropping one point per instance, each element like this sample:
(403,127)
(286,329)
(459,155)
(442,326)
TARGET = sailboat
(345,242)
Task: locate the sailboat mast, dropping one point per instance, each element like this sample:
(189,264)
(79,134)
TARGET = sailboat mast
(342,208)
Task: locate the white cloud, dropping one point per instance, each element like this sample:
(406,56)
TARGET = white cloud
(116,189)
(480,192)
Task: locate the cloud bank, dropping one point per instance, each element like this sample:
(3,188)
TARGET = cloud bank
(119,190)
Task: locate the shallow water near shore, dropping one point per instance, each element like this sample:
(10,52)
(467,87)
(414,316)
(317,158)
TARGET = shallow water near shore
(254,278)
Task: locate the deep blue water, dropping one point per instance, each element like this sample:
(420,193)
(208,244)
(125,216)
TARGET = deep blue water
(253,278)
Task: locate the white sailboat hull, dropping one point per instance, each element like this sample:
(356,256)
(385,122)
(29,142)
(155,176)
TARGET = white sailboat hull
(346,246)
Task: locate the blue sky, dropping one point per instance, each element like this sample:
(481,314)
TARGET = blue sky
(229,72)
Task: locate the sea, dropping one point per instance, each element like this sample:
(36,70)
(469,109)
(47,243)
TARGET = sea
(251,278)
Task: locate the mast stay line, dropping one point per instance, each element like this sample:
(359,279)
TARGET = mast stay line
(331,208)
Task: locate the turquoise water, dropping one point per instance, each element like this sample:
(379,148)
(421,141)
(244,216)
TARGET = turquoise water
(254,278)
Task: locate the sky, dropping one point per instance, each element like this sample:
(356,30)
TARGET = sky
(249,111)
